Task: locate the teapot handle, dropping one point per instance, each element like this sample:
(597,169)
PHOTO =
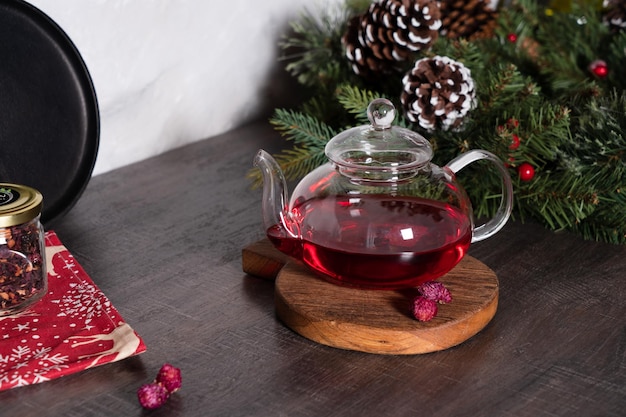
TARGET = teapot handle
(506,204)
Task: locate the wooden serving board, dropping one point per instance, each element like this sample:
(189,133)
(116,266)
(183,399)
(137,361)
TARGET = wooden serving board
(374,321)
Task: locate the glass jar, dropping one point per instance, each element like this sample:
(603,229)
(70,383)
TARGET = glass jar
(23,277)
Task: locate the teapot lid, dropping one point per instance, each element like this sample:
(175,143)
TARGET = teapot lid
(380,146)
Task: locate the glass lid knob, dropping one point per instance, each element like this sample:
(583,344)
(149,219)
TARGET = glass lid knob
(381,113)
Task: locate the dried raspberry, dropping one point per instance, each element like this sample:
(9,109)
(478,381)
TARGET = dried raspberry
(424,309)
(152,396)
(435,291)
(169,376)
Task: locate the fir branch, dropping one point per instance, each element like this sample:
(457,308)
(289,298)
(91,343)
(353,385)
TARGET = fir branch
(599,142)
(505,86)
(608,222)
(299,161)
(557,209)
(301,128)
(616,59)
(314,49)
(309,136)
(355,101)
(358,6)
(548,130)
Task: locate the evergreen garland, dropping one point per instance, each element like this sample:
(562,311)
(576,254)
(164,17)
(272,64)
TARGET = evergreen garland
(539,102)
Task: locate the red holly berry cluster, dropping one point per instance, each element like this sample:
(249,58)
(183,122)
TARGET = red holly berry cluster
(525,171)
(155,394)
(424,306)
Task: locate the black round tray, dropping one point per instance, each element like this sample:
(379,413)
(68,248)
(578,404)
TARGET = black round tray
(49,118)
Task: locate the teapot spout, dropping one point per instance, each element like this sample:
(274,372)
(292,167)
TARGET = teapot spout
(275,194)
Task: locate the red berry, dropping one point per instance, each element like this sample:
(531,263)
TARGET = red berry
(599,68)
(152,396)
(512,37)
(169,376)
(435,291)
(512,123)
(514,142)
(423,309)
(526,171)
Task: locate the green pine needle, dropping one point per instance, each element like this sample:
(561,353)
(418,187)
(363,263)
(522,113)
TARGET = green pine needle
(313,50)
(355,101)
(309,136)
(301,128)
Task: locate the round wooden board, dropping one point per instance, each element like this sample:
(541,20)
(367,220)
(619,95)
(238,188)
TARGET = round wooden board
(378,321)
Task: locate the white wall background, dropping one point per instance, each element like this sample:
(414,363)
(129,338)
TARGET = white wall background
(170,72)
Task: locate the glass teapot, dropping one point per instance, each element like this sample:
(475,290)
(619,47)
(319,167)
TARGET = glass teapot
(379,214)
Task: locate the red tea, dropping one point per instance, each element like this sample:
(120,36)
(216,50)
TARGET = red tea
(374,241)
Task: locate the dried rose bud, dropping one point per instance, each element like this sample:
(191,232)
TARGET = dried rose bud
(435,291)
(169,376)
(423,309)
(152,396)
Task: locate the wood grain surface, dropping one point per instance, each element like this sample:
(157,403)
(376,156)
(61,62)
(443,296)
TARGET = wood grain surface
(163,240)
(374,321)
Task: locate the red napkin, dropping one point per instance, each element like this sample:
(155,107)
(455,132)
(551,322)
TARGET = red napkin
(72,328)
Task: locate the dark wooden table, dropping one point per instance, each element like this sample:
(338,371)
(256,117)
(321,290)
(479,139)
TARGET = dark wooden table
(162,238)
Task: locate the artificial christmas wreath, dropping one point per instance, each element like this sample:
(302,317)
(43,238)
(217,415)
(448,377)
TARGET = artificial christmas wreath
(540,84)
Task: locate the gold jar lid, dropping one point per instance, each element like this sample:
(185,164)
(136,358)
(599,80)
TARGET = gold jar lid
(18,204)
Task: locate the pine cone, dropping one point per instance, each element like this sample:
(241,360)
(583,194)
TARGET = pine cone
(362,59)
(472,19)
(438,93)
(389,33)
(614,15)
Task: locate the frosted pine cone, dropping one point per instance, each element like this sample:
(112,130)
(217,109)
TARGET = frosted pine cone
(614,15)
(360,56)
(390,32)
(438,93)
(471,19)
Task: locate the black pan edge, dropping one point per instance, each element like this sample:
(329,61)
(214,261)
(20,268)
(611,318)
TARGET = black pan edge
(49,114)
